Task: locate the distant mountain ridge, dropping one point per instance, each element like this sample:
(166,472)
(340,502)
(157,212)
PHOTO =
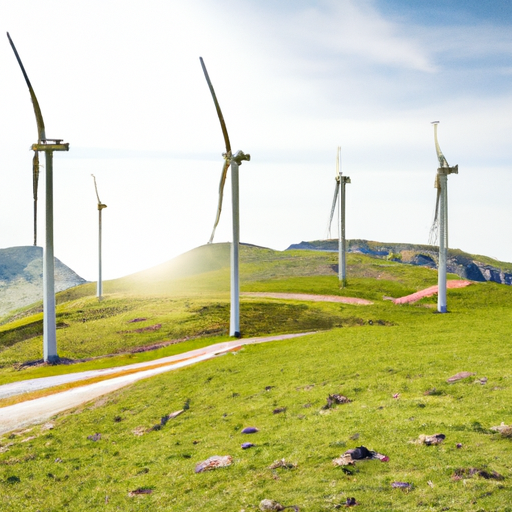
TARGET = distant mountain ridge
(467,266)
(21,277)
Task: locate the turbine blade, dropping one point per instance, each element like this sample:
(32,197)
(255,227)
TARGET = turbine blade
(35,173)
(333,207)
(96,188)
(440,156)
(217,106)
(39,117)
(221,195)
(432,239)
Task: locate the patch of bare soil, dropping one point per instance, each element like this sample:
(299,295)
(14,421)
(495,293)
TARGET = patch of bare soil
(310,297)
(428,292)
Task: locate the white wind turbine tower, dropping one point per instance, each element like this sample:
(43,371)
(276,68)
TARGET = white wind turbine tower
(439,230)
(339,193)
(234,161)
(48,146)
(99,287)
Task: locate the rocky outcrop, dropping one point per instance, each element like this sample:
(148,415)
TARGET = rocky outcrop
(21,277)
(463,264)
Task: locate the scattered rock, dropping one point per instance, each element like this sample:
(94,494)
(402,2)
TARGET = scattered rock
(481,381)
(139,491)
(345,460)
(245,446)
(458,446)
(351,502)
(137,320)
(356,454)
(139,431)
(58,459)
(171,416)
(355,436)
(270,505)
(279,410)
(401,485)
(282,464)
(214,462)
(250,430)
(5,448)
(95,437)
(47,426)
(460,376)
(469,472)
(430,440)
(28,439)
(431,484)
(268,388)
(504,430)
(396,396)
(333,400)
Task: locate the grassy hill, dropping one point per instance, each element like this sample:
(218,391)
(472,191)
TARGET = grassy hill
(392,361)
(467,266)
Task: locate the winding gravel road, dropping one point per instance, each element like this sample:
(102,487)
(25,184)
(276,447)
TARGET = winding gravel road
(38,410)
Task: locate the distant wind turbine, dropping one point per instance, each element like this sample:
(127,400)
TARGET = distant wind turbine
(99,287)
(339,192)
(439,230)
(48,146)
(234,161)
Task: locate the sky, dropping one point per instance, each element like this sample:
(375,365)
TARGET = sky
(121,82)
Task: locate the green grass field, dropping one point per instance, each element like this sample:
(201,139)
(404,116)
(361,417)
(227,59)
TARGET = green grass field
(391,361)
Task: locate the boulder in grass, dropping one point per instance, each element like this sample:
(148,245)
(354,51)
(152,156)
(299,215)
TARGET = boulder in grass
(504,430)
(350,457)
(214,462)
(335,399)
(431,440)
(460,376)
(270,505)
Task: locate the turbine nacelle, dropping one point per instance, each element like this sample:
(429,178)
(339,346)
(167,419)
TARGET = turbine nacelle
(240,156)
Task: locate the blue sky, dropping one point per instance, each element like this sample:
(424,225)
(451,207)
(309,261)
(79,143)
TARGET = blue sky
(121,82)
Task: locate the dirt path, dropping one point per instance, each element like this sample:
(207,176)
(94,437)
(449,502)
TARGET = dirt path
(310,297)
(40,409)
(428,292)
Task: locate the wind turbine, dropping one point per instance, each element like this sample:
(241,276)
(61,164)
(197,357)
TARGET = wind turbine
(339,191)
(99,287)
(234,161)
(48,146)
(439,228)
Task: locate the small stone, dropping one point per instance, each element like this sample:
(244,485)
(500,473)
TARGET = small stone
(250,430)
(270,505)
(95,437)
(401,485)
(139,491)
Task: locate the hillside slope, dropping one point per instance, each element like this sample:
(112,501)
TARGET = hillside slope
(467,266)
(21,277)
